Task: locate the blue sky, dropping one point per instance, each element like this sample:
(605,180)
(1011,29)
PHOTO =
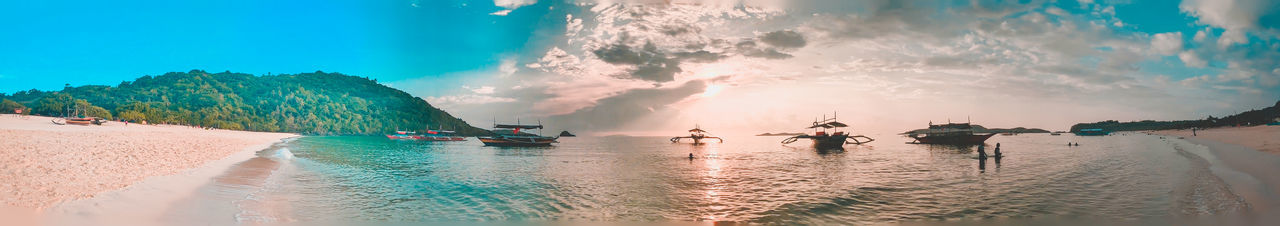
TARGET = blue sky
(50,43)
(637,64)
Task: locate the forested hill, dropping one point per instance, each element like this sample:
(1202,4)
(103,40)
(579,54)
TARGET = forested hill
(309,103)
(1247,118)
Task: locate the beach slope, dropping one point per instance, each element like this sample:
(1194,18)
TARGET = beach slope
(45,164)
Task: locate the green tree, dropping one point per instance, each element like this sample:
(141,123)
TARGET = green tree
(8,106)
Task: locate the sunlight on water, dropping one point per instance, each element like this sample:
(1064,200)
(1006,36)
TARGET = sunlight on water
(752,179)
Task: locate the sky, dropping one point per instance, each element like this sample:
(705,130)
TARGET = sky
(647,67)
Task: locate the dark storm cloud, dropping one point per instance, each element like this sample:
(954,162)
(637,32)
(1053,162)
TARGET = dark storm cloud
(651,63)
(783,39)
(751,49)
(613,112)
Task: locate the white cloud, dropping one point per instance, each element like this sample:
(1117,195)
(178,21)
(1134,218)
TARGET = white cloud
(1191,59)
(481,90)
(1195,81)
(1201,35)
(1232,36)
(507,67)
(467,99)
(1167,43)
(510,5)
(1227,14)
(1057,11)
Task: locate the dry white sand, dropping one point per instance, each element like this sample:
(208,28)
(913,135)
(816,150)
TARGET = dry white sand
(44,164)
(1251,156)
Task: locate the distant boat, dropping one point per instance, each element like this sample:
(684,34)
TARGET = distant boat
(834,140)
(950,133)
(515,138)
(405,135)
(1055,133)
(566,134)
(443,135)
(1092,132)
(697,134)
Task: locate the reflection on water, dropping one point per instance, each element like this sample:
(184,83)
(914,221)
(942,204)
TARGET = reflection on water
(753,179)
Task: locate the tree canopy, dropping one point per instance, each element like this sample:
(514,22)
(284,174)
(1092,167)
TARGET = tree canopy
(309,103)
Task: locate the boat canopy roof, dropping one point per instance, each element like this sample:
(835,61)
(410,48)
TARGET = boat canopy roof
(832,124)
(506,126)
(697,130)
(951,126)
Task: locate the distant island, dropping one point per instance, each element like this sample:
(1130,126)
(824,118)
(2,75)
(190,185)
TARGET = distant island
(1247,118)
(307,103)
(780,134)
(981,129)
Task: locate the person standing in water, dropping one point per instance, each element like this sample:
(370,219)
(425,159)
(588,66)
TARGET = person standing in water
(690,156)
(982,151)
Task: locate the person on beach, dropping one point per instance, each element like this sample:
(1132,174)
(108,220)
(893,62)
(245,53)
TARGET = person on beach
(997,151)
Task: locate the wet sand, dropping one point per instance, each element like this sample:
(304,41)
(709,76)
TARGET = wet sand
(1248,159)
(47,165)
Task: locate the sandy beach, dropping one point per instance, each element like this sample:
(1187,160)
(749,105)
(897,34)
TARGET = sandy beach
(45,164)
(1249,158)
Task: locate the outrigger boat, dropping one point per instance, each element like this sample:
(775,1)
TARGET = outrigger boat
(950,133)
(697,134)
(405,135)
(431,135)
(834,140)
(514,138)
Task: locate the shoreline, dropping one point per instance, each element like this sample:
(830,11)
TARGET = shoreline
(1243,158)
(59,172)
(151,202)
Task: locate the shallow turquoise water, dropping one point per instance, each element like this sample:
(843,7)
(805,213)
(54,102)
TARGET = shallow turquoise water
(753,179)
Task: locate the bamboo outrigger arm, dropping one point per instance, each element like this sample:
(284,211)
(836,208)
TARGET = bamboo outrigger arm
(677,139)
(855,140)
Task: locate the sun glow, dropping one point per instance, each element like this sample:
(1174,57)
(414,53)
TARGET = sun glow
(712,90)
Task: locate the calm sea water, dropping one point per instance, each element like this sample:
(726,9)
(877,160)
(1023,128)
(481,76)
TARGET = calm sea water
(752,179)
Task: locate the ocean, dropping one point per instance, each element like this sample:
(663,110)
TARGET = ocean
(1127,176)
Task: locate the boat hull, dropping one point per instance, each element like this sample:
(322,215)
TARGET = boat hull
(829,142)
(963,139)
(517,142)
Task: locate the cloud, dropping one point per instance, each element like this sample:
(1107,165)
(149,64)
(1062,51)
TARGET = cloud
(783,39)
(467,99)
(481,90)
(1167,43)
(650,63)
(501,12)
(644,57)
(510,5)
(614,112)
(1192,60)
(507,67)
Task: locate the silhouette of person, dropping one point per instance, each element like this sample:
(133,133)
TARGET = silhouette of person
(997,152)
(690,156)
(982,151)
